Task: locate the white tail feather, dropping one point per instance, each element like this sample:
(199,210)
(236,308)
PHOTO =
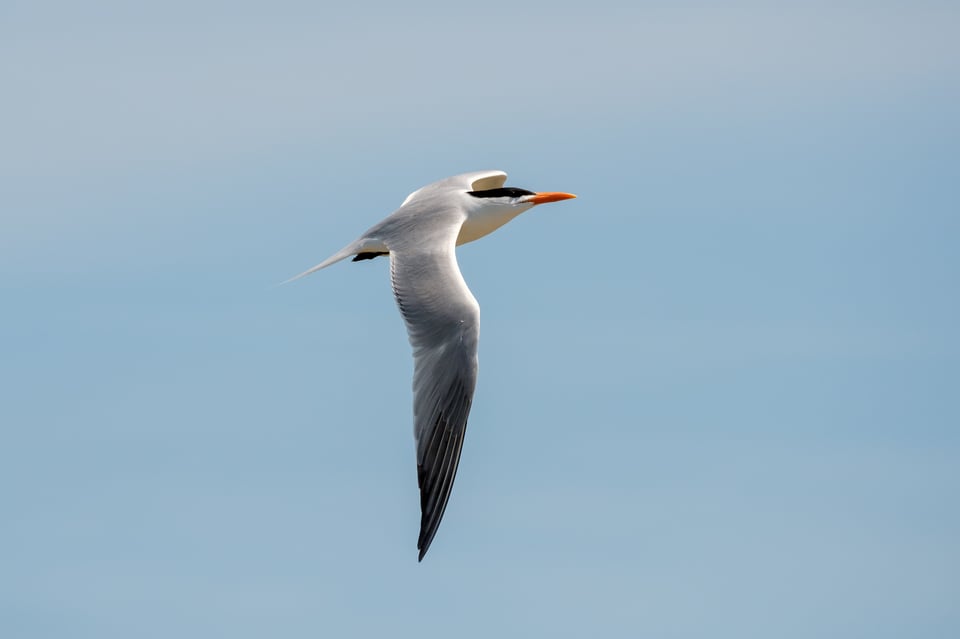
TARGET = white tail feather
(360,246)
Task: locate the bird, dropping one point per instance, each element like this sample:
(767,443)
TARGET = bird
(442,316)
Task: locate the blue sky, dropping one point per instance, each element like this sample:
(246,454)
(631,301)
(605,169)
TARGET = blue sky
(718,392)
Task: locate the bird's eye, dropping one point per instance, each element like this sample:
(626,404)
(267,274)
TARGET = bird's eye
(504,192)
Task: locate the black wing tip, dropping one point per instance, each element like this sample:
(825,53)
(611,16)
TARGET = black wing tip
(438,464)
(427,533)
(431,514)
(428,529)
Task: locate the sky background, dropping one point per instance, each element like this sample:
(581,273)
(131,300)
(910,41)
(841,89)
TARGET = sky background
(719,392)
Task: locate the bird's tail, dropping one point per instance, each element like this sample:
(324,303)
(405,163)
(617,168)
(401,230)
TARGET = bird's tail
(363,245)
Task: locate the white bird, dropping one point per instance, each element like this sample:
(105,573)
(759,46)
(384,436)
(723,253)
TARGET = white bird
(441,314)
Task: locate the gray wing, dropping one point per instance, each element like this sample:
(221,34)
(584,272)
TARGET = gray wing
(443,323)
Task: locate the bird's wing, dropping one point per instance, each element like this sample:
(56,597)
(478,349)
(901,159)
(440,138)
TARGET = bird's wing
(443,322)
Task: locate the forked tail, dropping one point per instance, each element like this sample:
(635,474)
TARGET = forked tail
(363,246)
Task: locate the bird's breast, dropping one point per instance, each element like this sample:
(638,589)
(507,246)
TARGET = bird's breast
(477,226)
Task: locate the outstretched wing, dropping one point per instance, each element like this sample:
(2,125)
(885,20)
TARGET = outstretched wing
(443,322)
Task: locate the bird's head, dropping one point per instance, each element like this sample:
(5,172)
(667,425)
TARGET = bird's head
(512,198)
(484,198)
(488,203)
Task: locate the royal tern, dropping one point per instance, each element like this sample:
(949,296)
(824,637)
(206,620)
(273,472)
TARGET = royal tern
(440,312)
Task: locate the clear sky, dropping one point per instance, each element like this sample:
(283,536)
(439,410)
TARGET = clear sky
(719,392)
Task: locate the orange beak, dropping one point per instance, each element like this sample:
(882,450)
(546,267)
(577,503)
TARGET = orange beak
(543,198)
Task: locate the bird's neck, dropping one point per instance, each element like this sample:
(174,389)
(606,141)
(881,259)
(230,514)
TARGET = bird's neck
(478,225)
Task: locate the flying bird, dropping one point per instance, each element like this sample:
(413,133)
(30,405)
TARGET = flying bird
(440,312)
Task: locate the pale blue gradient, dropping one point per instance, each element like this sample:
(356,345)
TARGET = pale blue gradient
(719,393)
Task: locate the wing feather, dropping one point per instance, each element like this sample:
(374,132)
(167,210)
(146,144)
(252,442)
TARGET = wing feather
(443,323)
